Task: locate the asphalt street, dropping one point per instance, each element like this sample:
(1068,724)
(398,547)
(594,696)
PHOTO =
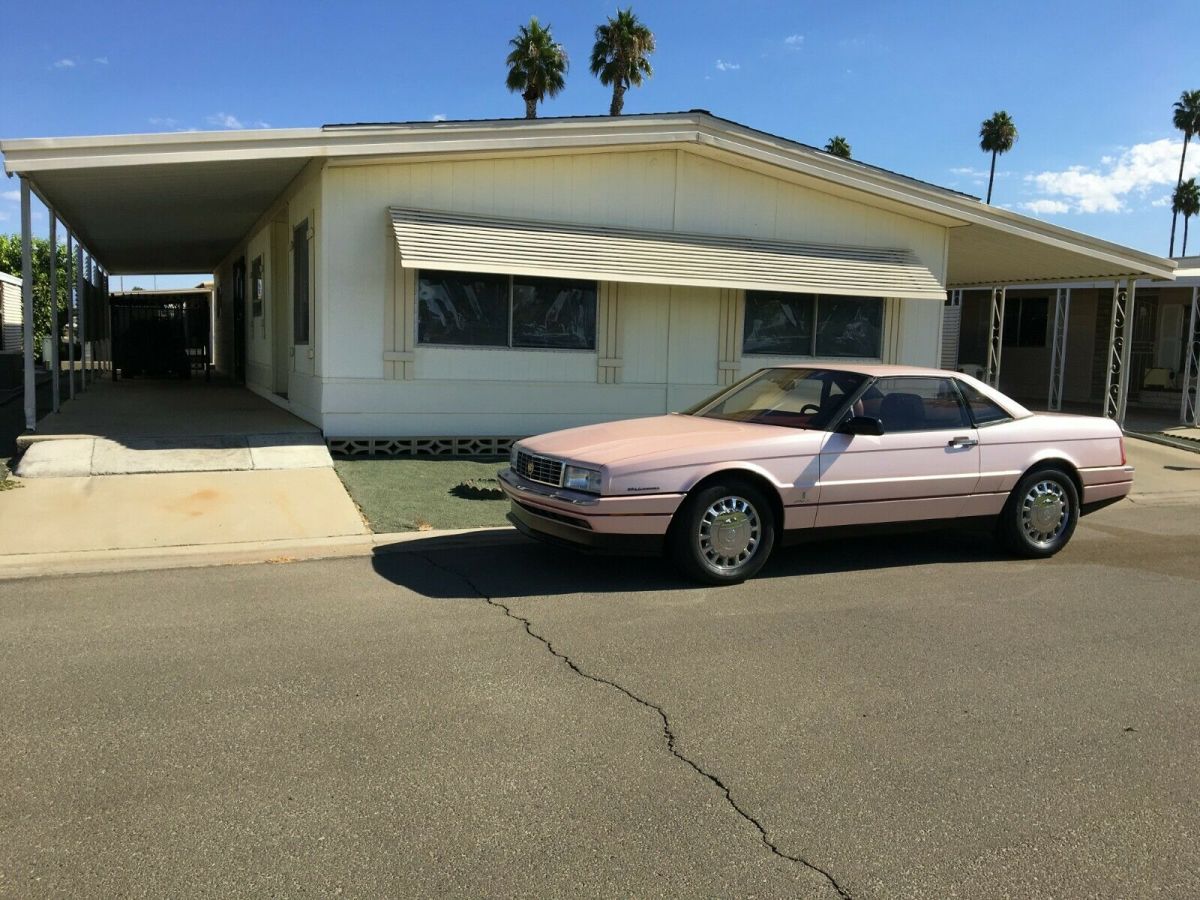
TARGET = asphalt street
(897,717)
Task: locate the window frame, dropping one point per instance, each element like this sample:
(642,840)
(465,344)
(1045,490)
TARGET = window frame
(963,405)
(510,280)
(975,423)
(816,307)
(302,228)
(1012,336)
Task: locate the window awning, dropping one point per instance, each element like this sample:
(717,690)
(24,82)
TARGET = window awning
(429,239)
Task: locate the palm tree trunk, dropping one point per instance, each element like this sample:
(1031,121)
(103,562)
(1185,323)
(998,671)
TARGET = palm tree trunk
(618,100)
(1183,252)
(991,178)
(1187,136)
(530,106)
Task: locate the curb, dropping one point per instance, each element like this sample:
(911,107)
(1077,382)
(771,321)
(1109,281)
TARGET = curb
(93,562)
(1178,443)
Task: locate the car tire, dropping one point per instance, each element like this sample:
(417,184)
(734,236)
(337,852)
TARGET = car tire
(1040,515)
(723,533)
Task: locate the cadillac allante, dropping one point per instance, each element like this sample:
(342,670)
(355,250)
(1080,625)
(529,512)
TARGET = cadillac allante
(798,450)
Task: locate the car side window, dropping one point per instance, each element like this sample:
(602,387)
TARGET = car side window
(915,403)
(983,410)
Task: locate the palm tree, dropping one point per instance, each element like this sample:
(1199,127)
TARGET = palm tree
(1187,120)
(621,55)
(996,136)
(1186,203)
(838,146)
(536,65)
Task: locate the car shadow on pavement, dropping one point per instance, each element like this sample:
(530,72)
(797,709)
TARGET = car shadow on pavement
(459,568)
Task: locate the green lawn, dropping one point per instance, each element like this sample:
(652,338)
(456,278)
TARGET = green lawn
(420,494)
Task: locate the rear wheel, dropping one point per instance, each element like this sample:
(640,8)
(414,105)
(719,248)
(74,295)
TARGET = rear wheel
(1040,515)
(723,533)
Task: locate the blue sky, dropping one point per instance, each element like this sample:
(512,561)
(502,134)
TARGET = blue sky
(1090,85)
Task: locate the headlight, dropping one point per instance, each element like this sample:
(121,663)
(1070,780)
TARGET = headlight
(577,478)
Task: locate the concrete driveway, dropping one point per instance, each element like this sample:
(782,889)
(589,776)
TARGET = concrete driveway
(904,717)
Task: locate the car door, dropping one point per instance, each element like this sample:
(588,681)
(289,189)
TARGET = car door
(923,466)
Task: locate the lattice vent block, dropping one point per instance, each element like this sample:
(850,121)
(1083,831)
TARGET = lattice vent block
(492,447)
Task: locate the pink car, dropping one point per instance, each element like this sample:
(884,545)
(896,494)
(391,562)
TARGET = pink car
(797,448)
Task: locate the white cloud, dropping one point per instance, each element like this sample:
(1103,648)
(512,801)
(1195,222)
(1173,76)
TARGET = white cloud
(64,64)
(793,41)
(1045,207)
(439,117)
(14,196)
(723,66)
(225,120)
(163,121)
(101,60)
(1110,186)
(1161,201)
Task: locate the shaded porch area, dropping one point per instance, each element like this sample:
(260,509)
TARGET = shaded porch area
(151,425)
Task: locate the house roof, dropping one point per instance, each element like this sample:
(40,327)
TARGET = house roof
(181,202)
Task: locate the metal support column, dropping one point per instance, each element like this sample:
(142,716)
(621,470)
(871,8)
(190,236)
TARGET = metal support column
(1116,353)
(78,318)
(995,337)
(72,278)
(85,281)
(27,307)
(1126,349)
(1058,348)
(1189,404)
(54,362)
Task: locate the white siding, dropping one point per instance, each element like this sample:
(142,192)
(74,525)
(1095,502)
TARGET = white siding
(374,383)
(12,318)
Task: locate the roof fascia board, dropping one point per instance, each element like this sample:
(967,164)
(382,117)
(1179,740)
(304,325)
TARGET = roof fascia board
(967,211)
(30,156)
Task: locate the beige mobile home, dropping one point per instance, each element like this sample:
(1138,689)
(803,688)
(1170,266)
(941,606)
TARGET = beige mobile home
(401,283)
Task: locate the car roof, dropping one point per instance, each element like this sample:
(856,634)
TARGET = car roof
(883,370)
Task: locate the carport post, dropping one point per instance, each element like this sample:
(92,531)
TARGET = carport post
(78,317)
(85,279)
(995,337)
(70,314)
(1113,377)
(1058,348)
(27,307)
(54,361)
(1191,367)
(1126,349)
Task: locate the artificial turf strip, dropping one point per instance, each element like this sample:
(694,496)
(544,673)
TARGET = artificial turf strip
(423,494)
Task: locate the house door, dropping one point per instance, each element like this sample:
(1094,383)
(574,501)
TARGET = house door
(281,311)
(239,321)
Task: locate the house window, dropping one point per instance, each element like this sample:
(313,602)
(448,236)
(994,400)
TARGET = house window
(483,310)
(784,324)
(1025,321)
(300,293)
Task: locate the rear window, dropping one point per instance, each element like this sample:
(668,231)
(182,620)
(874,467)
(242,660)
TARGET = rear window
(983,410)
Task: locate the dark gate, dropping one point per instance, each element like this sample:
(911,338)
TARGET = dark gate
(163,336)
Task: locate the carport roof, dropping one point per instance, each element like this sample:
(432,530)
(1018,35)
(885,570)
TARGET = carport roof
(181,202)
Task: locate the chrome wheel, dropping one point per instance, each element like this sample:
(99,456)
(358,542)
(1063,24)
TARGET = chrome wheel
(1045,510)
(729,534)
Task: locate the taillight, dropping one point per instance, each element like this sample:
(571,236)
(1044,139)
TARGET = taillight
(1122,440)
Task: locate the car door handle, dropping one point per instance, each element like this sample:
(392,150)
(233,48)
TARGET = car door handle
(962,442)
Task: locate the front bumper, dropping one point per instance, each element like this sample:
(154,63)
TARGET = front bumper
(626,525)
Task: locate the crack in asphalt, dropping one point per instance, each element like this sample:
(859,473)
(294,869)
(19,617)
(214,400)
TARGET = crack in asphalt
(668,732)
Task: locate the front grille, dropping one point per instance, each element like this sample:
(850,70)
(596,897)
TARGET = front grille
(541,469)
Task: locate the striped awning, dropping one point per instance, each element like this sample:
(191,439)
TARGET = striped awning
(459,242)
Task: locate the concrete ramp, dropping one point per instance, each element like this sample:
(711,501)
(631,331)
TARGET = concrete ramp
(68,456)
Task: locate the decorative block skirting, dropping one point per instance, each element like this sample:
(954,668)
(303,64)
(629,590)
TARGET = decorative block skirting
(421,446)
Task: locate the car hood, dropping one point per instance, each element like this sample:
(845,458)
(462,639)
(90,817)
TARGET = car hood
(675,436)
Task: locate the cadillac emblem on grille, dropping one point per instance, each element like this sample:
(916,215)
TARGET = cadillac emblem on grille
(529,468)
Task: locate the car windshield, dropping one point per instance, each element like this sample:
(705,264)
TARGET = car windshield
(793,398)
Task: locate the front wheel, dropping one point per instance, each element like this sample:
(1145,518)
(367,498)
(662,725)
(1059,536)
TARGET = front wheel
(723,533)
(1040,515)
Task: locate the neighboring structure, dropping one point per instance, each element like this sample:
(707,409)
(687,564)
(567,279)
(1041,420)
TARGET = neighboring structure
(1162,361)
(11,317)
(490,279)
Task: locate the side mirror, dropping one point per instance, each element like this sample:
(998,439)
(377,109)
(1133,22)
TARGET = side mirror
(862,425)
